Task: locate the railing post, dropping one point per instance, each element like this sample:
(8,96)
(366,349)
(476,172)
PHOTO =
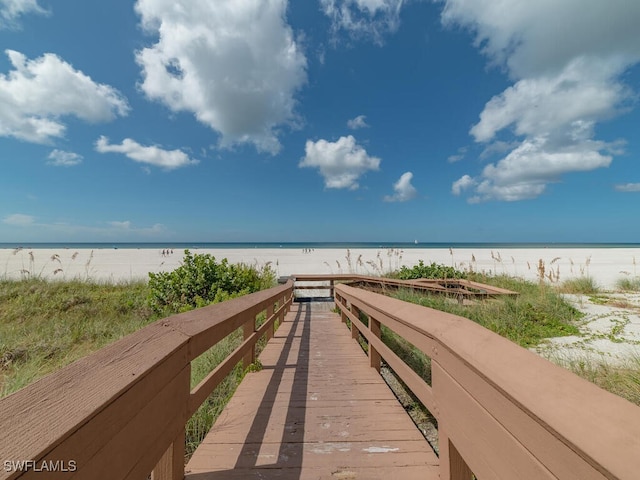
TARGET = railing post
(171,464)
(342,301)
(331,288)
(452,465)
(271,329)
(374,356)
(285,299)
(354,330)
(248,328)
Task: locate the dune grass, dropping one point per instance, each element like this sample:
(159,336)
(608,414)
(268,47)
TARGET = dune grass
(584,285)
(622,380)
(538,312)
(47,325)
(629,284)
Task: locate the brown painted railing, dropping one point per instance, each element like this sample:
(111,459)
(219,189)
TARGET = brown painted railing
(120,413)
(502,411)
(460,288)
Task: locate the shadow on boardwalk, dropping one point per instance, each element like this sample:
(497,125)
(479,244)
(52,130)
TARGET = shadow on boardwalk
(315,410)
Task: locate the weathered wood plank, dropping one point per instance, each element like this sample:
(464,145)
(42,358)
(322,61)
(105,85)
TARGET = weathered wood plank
(316,408)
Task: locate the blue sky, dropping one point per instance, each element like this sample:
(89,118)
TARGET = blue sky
(322,120)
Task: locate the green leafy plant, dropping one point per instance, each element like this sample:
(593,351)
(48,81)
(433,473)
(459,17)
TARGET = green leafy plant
(201,280)
(429,271)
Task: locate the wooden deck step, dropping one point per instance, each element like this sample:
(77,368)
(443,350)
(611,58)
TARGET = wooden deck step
(315,411)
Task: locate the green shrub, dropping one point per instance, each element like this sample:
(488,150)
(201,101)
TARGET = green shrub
(200,281)
(429,271)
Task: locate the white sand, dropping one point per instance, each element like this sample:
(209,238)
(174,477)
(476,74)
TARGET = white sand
(605,265)
(609,333)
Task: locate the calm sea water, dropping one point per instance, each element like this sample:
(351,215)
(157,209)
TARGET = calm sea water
(317,245)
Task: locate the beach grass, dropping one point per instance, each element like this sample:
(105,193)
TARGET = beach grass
(538,312)
(47,325)
(628,284)
(622,380)
(585,285)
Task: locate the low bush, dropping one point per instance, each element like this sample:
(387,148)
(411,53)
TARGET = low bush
(429,271)
(201,280)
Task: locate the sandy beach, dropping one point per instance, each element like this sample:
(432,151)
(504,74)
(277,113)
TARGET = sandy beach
(605,265)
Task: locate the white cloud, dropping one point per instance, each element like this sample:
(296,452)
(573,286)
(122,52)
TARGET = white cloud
(533,38)
(128,226)
(525,171)
(461,184)
(462,151)
(582,92)
(19,220)
(403,189)
(152,155)
(567,60)
(358,122)
(38,92)
(370,19)
(234,65)
(628,187)
(60,158)
(11,10)
(341,163)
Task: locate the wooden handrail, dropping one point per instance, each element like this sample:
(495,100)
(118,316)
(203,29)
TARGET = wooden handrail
(503,412)
(120,412)
(453,286)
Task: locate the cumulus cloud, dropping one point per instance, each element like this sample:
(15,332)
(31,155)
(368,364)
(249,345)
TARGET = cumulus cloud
(341,163)
(567,61)
(60,158)
(234,65)
(12,10)
(584,91)
(369,19)
(37,93)
(403,189)
(358,122)
(462,184)
(151,155)
(19,220)
(628,187)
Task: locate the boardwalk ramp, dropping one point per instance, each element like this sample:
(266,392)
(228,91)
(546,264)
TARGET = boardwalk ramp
(315,410)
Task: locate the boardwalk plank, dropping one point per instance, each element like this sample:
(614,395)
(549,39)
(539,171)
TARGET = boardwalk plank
(315,410)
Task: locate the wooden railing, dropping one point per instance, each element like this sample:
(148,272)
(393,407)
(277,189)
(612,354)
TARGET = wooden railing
(502,411)
(120,413)
(453,287)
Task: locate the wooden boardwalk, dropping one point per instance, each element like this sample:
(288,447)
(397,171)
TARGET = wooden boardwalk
(316,410)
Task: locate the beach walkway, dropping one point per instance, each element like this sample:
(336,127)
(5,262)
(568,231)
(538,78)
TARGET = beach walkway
(315,410)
